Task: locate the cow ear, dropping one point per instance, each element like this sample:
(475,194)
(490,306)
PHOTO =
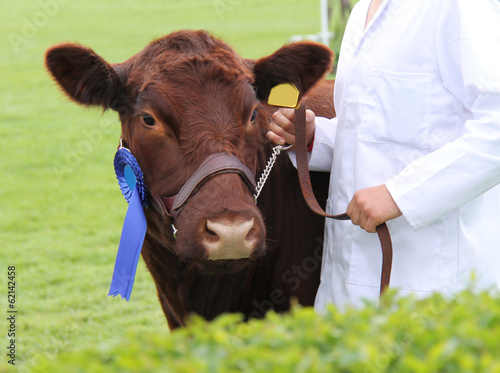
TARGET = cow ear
(301,63)
(83,75)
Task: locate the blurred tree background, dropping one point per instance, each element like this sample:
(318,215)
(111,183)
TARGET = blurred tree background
(335,13)
(339,11)
(338,14)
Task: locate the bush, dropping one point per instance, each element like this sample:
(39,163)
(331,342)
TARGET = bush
(402,335)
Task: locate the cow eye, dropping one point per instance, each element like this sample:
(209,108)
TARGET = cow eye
(148,120)
(254,115)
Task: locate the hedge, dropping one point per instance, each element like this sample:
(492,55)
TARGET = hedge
(403,334)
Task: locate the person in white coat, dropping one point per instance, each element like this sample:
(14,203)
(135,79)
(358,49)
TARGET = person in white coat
(416,144)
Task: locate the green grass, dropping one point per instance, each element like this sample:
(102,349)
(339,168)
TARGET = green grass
(60,207)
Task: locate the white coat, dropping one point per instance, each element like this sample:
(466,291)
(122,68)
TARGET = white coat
(417,97)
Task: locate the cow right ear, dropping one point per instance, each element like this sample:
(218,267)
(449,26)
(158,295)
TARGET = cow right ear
(301,63)
(83,75)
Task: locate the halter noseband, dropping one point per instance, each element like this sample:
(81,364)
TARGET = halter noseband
(215,164)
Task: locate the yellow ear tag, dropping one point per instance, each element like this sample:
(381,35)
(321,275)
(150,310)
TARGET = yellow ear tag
(284,95)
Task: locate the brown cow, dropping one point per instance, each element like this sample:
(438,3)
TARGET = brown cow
(184,97)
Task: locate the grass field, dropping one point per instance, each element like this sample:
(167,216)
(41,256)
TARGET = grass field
(61,209)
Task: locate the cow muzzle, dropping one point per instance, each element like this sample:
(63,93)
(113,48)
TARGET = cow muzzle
(229,238)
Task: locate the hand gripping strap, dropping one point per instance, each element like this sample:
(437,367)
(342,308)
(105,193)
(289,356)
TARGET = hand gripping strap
(305,185)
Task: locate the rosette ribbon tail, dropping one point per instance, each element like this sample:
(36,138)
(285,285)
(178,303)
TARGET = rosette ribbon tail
(129,250)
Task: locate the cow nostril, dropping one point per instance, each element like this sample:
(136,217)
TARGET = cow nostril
(251,233)
(209,231)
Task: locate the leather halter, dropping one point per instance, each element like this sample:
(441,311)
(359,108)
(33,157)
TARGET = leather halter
(305,185)
(215,164)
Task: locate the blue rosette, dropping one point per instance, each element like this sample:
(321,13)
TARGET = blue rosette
(129,175)
(131,181)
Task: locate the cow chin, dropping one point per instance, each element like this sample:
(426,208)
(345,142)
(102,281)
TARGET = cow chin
(216,267)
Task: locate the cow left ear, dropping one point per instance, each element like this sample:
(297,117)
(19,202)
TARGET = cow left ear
(83,75)
(300,63)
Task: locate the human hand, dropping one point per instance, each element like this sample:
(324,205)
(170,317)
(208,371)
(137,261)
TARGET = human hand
(371,207)
(282,127)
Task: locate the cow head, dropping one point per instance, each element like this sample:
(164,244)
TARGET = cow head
(183,98)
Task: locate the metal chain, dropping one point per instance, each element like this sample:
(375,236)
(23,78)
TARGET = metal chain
(265,174)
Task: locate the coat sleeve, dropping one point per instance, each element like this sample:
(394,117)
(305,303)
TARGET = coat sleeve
(468,45)
(321,157)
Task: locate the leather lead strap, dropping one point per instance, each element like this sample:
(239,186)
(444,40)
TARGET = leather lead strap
(305,185)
